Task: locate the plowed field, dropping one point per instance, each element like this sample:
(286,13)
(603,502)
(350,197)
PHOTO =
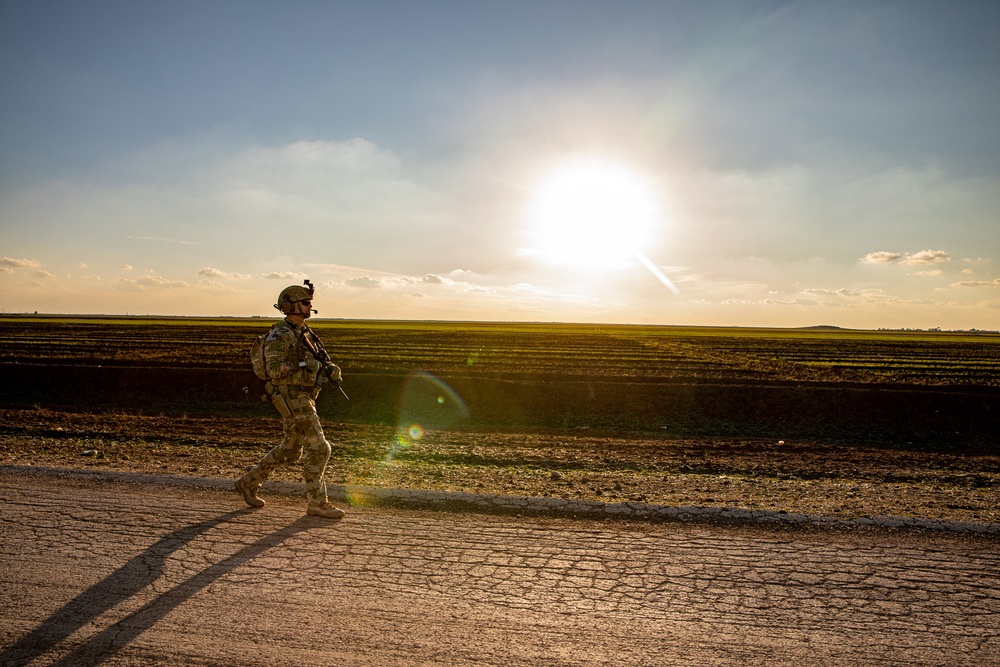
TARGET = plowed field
(831,422)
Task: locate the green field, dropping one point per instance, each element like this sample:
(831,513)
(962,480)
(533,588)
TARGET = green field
(565,351)
(895,387)
(836,422)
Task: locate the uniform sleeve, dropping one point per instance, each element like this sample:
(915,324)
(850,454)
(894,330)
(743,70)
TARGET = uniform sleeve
(278,348)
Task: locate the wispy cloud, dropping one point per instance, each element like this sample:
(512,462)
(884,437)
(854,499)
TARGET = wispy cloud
(210,272)
(364,282)
(928,257)
(918,258)
(153,282)
(882,257)
(283,275)
(770,302)
(977,283)
(162,240)
(160,281)
(22,263)
(832,292)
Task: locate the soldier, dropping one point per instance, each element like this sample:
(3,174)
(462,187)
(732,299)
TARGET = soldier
(297,366)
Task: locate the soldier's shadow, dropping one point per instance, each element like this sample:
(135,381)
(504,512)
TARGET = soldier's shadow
(127,581)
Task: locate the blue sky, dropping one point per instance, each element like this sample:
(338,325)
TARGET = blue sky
(797,163)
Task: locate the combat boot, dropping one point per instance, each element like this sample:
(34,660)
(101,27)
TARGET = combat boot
(325,510)
(249,493)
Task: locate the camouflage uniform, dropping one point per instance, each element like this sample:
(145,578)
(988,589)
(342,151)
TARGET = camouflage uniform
(293,388)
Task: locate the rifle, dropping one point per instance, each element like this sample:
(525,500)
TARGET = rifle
(315,346)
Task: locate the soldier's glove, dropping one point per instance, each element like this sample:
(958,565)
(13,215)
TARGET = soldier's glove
(311,364)
(333,373)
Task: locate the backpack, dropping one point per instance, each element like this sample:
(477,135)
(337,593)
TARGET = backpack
(257,358)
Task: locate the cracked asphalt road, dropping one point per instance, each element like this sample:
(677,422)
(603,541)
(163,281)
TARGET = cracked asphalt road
(111,573)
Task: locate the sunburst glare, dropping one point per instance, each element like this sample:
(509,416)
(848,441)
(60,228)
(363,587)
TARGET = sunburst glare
(595,213)
(592,212)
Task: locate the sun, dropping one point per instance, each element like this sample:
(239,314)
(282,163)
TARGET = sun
(592,212)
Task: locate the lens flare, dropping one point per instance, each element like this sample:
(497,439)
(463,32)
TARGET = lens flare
(655,270)
(426,403)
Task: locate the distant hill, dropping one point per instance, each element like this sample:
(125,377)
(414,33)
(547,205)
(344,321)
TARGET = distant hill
(822,326)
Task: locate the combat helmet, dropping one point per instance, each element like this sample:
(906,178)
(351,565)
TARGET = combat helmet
(293,294)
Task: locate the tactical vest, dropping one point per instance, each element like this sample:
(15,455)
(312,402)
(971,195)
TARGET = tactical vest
(287,342)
